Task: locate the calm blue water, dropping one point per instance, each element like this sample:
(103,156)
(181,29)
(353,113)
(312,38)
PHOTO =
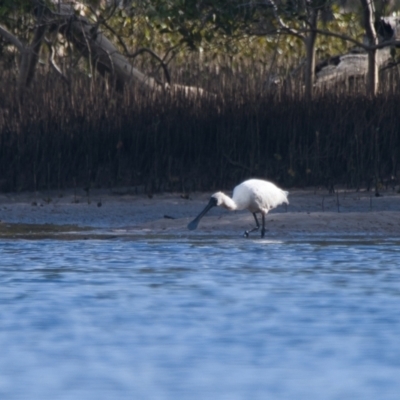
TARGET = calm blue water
(209,318)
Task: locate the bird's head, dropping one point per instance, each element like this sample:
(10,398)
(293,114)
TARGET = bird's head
(218,199)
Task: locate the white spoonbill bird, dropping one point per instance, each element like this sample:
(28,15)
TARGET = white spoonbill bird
(255,195)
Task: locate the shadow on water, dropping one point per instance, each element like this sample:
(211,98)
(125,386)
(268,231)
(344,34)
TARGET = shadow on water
(75,232)
(39,231)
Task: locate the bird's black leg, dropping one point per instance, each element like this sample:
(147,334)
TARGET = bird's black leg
(263,225)
(246,234)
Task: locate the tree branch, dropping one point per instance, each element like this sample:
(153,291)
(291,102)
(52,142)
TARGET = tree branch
(285,27)
(11,38)
(140,51)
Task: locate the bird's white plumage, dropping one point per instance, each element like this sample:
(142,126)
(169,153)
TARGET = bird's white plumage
(254,195)
(257,195)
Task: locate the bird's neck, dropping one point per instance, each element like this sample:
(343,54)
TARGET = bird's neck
(228,203)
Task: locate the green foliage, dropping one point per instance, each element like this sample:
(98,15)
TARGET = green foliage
(213,28)
(14,7)
(233,28)
(342,23)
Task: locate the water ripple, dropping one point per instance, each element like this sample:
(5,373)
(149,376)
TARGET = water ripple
(168,318)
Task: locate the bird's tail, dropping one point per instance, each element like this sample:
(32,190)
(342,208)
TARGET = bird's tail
(286,195)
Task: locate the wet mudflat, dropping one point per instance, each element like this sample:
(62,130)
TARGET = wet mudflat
(310,212)
(195,317)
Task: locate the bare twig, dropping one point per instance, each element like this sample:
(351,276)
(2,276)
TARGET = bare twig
(53,63)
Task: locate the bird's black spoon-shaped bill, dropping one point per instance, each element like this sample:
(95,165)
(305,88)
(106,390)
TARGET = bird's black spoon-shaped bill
(193,225)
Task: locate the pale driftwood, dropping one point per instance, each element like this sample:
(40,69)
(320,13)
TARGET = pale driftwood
(89,39)
(190,91)
(356,65)
(105,56)
(67,18)
(352,65)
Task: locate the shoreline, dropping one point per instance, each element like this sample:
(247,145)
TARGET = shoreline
(310,212)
